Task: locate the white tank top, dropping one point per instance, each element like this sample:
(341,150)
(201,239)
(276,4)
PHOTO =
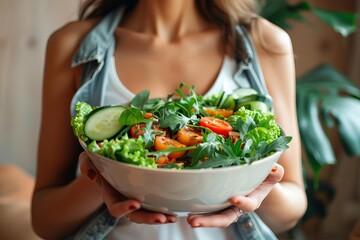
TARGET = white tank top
(117,93)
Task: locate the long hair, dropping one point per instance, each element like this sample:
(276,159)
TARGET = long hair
(224,13)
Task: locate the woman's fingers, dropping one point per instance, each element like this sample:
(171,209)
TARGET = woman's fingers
(252,201)
(247,203)
(117,204)
(220,219)
(120,206)
(85,164)
(148,217)
(87,169)
(275,175)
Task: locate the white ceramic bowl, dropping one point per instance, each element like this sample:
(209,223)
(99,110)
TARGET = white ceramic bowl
(177,191)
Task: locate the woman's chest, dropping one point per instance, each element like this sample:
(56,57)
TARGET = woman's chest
(162,67)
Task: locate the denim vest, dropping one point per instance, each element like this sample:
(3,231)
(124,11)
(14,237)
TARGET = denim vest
(94,53)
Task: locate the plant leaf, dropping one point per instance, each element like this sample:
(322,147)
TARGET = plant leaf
(280,144)
(323,100)
(219,160)
(280,12)
(313,136)
(140,99)
(153,105)
(132,116)
(148,135)
(342,22)
(343,109)
(206,149)
(173,121)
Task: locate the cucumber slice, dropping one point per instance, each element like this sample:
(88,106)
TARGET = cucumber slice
(243,92)
(103,123)
(255,101)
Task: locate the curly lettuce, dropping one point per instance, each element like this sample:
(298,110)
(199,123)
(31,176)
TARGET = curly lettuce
(78,122)
(262,126)
(128,150)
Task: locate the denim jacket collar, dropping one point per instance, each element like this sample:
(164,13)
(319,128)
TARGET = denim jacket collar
(249,73)
(96,43)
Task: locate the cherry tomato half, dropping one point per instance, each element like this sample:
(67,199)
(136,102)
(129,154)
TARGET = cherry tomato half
(137,130)
(189,136)
(216,125)
(162,143)
(165,160)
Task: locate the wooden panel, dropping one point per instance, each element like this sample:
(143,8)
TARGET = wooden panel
(22,49)
(3,62)
(317,43)
(4,55)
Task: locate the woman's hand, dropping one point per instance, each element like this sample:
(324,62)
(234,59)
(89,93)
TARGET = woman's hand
(120,206)
(241,204)
(117,204)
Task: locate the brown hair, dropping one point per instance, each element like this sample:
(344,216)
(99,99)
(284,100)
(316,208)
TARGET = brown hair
(224,13)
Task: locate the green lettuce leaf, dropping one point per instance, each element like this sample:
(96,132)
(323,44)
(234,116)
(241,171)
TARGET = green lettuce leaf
(264,127)
(82,110)
(128,150)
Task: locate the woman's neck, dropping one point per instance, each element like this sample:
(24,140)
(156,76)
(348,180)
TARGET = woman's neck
(166,20)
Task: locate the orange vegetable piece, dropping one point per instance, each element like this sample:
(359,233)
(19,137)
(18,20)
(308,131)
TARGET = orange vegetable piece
(189,136)
(219,111)
(162,143)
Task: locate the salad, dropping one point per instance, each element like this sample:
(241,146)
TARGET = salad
(186,131)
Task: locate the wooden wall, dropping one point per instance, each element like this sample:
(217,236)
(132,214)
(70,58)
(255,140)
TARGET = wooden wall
(316,43)
(24,29)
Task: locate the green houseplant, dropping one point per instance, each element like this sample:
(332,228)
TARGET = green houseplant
(280,12)
(325,83)
(326,100)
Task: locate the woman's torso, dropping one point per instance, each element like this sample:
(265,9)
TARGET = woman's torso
(124,71)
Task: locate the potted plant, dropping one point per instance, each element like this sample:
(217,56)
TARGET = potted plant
(326,99)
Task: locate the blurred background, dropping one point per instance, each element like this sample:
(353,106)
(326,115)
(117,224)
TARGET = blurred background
(26,25)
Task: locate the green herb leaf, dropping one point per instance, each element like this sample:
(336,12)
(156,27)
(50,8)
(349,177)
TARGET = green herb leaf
(280,144)
(174,121)
(148,135)
(153,105)
(132,116)
(206,149)
(140,99)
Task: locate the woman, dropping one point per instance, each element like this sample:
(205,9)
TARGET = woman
(119,48)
